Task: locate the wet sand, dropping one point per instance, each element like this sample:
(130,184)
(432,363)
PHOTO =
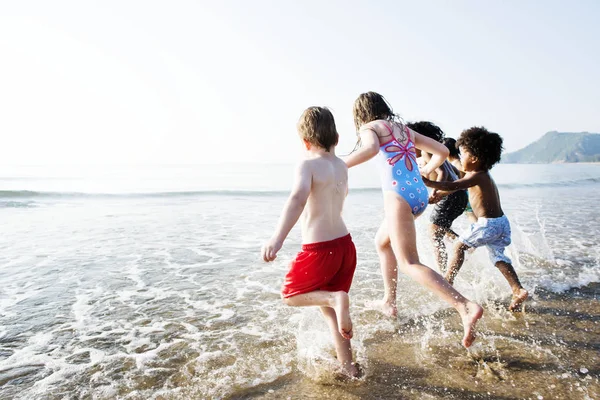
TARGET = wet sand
(549,351)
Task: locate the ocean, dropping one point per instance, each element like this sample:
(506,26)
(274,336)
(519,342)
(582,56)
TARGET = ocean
(145,282)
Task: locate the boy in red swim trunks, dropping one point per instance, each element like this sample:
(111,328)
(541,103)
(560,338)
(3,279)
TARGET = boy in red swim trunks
(321,274)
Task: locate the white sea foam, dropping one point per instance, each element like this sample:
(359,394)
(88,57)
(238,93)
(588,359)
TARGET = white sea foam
(100,294)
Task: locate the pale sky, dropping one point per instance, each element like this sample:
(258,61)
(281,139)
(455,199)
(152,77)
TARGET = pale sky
(192,82)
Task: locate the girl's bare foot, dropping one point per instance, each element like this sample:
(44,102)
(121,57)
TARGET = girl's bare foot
(342,312)
(351,370)
(386,307)
(471,314)
(389,309)
(518,299)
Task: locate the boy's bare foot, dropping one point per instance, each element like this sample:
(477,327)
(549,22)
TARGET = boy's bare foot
(342,312)
(470,316)
(518,299)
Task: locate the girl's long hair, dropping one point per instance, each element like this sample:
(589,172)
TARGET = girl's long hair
(371,106)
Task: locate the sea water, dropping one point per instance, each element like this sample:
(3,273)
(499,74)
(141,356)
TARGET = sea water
(146,282)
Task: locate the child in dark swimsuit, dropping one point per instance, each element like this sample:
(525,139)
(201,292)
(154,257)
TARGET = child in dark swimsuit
(451,206)
(393,144)
(454,159)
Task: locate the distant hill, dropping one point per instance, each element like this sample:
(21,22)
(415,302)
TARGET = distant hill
(558,147)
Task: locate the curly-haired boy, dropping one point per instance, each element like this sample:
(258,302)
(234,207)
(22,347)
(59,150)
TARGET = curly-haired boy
(480,150)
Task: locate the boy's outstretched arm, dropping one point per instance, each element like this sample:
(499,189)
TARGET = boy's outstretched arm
(368,150)
(438,195)
(463,183)
(291,211)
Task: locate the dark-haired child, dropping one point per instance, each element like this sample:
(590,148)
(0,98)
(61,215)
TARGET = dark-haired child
(480,150)
(451,206)
(454,156)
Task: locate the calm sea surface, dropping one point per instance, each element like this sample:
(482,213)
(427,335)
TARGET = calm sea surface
(146,283)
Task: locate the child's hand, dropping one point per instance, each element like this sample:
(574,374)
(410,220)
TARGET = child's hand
(270,249)
(435,197)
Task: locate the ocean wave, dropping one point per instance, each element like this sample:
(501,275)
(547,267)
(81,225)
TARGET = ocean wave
(23,194)
(17,204)
(570,183)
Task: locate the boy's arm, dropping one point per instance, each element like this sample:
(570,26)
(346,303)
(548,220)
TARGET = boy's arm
(438,195)
(368,150)
(462,183)
(291,211)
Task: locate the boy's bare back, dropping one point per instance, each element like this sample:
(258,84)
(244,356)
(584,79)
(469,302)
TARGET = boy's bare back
(322,216)
(483,196)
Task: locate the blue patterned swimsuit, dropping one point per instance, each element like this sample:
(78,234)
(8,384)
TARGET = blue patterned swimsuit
(400,173)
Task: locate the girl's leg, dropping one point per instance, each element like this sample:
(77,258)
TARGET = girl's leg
(402,232)
(338,301)
(389,270)
(343,348)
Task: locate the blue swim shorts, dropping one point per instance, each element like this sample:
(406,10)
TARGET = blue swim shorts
(494,233)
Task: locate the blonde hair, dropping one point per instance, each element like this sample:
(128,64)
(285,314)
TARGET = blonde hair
(317,127)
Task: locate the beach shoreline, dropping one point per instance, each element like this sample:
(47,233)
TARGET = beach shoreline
(513,357)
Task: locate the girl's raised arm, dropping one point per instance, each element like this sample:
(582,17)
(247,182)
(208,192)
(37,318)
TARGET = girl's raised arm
(438,151)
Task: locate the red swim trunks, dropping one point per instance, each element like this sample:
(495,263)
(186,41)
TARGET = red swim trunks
(322,266)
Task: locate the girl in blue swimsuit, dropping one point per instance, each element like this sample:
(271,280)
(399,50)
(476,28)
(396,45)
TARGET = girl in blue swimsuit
(399,170)
(382,134)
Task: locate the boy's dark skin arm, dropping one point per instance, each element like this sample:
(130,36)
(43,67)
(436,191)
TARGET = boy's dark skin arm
(483,193)
(443,189)
(463,183)
(437,175)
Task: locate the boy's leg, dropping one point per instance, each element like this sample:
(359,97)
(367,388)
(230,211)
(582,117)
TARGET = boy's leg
(338,301)
(442,218)
(457,261)
(451,234)
(471,216)
(439,247)
(342,345)
(389,270)
(519,293)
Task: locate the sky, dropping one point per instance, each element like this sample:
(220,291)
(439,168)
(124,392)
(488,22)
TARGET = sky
(196,82)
